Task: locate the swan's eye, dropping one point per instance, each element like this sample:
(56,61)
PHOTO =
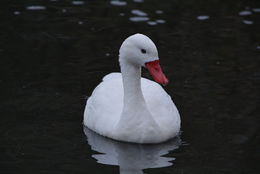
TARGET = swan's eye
(143,51)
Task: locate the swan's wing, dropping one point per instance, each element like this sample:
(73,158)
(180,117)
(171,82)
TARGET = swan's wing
(161,107)
(104,106)
(113,76)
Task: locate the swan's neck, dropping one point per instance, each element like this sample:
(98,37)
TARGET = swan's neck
(135,118)
(133,95)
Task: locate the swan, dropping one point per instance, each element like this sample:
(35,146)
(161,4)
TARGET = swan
(129,108)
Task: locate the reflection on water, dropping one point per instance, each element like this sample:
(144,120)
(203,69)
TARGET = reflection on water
(118,3)
(248,22)
(256,10)
(36,7)
(201,18)
(64,10)
(159,12)
(160,21)
(152,22)
(138,1)
(138,19)
(80,22)
(138,12)
(245,13)
(139,15)
(131,158)
(17,12)
(77,2)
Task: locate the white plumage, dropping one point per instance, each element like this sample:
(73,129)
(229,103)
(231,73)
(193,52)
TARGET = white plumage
(129,108)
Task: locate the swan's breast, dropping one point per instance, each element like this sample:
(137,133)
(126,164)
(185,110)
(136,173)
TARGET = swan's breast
(161,107)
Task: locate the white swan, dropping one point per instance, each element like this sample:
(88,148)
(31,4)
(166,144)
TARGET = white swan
(129,108)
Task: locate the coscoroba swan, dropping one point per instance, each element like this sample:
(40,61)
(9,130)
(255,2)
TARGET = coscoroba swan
(127,107)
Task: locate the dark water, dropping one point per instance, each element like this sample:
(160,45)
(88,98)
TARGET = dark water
(53,54)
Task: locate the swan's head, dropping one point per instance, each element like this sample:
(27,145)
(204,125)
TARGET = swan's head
(139,50)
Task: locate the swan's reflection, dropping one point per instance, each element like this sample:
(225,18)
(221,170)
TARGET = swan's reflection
(131,158)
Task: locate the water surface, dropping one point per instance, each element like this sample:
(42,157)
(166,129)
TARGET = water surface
(53,53)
